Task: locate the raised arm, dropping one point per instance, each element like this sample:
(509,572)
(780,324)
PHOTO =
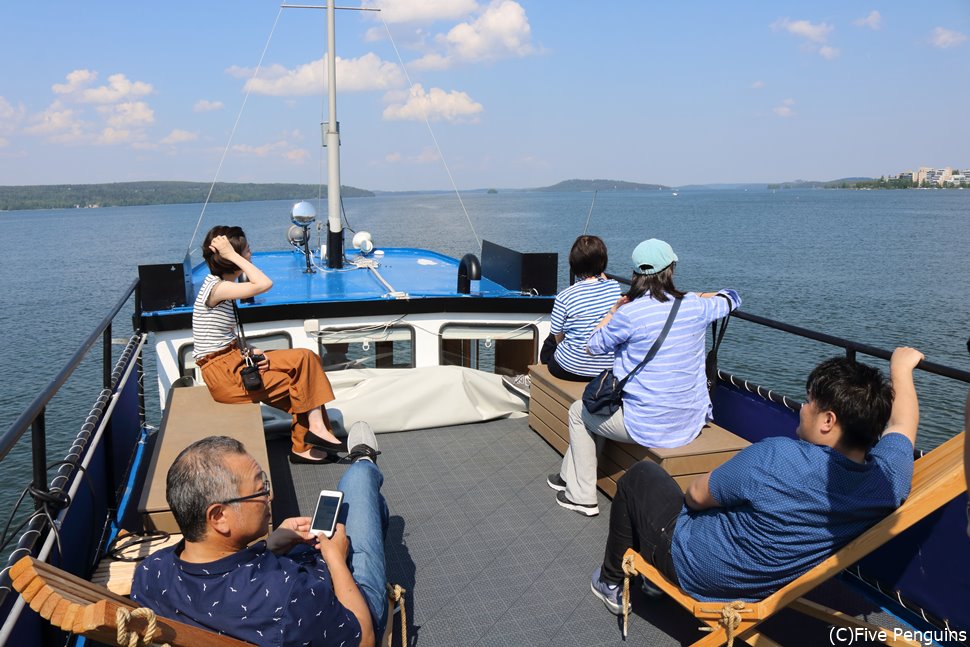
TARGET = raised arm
(904,418)
(226,290)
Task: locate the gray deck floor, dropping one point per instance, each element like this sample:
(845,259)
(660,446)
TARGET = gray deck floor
(486,555)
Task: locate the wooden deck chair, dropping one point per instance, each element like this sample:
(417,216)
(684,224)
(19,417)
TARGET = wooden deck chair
(937,479)
(80,607)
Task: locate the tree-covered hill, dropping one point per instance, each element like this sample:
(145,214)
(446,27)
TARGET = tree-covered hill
(124,194)
(601,185)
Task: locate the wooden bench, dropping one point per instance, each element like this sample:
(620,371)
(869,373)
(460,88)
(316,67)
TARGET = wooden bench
(190,415)
(549,417)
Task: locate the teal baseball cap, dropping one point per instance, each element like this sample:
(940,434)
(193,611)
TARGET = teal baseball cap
(652,256)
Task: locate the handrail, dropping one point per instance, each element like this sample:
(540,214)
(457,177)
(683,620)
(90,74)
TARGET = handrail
(850,347)
(37,407)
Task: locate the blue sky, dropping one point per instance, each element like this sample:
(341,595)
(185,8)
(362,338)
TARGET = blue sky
(518,93)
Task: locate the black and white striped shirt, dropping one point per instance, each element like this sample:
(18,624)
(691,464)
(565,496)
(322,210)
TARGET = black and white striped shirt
(212,328)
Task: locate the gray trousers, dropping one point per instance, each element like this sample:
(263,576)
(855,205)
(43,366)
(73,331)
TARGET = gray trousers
(586,431)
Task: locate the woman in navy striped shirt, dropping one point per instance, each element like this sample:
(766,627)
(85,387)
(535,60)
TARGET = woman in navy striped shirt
(576,312)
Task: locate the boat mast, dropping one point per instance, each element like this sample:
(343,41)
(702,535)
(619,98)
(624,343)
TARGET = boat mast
(335,237)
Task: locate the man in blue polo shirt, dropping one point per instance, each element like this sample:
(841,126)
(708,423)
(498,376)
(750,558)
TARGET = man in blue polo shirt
(281,591)
(781,505)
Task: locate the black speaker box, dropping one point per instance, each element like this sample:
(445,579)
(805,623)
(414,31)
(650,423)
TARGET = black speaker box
(534,272)
(165,286)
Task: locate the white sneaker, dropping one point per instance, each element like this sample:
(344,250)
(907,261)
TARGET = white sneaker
(521,384)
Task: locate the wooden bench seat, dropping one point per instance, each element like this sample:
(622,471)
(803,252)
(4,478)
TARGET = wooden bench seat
(548,416)
(190,415)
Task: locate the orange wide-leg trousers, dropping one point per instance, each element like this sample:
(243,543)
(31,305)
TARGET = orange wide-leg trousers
(295,383)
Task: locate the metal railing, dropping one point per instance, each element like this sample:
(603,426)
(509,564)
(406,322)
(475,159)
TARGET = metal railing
(850,347)
(34,417)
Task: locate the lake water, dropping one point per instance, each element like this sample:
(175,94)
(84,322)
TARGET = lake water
(880,267)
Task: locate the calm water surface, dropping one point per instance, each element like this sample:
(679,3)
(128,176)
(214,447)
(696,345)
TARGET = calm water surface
(881,267)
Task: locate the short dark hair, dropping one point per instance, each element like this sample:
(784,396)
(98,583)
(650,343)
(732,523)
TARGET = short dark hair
(858,394)
(588,257)
(217,264)
(660,285)
(198,478)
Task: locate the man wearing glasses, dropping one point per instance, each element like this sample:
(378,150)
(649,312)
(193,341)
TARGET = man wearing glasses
(281,591)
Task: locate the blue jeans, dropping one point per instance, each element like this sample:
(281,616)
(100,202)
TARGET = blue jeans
(364,512)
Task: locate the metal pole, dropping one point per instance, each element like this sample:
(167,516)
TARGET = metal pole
(106,357)
(38,445)
(335,247)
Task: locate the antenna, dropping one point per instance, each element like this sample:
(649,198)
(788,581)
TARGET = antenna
(589,215)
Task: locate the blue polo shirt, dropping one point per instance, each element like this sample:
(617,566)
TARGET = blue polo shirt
(786,505)
(252,595)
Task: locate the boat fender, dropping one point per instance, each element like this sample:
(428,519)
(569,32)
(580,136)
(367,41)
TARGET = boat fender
(469,269)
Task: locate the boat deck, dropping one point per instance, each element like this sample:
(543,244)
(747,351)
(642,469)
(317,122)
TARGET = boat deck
(488,558)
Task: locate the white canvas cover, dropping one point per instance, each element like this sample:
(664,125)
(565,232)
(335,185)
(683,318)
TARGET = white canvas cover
(419,398)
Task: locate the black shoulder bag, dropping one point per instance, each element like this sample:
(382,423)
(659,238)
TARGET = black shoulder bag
(710,363)
(251,378)
(604,394)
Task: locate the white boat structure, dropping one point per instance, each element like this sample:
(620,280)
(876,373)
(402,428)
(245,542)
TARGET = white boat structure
(417,343)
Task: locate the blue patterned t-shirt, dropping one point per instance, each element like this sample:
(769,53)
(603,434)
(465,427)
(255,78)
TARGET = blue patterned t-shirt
(786,505)
(253,595)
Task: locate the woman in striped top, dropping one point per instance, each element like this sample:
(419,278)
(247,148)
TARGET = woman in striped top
(293,379)
(666,403)
(576,312)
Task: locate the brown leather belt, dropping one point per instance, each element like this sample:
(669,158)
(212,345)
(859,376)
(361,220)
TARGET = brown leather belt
(205,359)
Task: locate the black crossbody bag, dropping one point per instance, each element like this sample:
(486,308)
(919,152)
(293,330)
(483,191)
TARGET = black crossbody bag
(251,378)
(604,394)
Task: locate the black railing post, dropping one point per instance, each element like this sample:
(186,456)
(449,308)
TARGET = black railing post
(106,357)
(38,445)
(850,354)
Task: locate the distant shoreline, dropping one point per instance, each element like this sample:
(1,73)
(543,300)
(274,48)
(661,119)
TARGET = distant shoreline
(131,194)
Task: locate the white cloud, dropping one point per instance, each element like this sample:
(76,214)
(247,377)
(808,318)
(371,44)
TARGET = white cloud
(434,105)
(75,81)
(785,109)
(4,142)
(368,72)
(57,119)
(398,11)
(178,136)
(828,52)
(204,105)
(872,21)
(112,136)
(758,85)
(10,116)
(501,31)
(946,38)
(127,114)
(814,35)
(427,155)
(118,88)
(280,148)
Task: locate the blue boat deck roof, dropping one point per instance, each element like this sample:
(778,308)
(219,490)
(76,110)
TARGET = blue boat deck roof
(411,273)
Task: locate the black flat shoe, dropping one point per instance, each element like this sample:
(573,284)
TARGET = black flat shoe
(296,459)
(315,440)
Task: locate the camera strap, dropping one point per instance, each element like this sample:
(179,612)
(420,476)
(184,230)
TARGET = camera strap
(243,344)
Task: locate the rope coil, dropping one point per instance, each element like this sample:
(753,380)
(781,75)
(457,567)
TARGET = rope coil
(395,595)
(132,638)
(730,619)
(629,570)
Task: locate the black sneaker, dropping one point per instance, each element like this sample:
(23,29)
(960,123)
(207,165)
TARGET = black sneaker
(556,483)
(590,510)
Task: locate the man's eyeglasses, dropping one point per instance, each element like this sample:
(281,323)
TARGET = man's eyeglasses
(255,495)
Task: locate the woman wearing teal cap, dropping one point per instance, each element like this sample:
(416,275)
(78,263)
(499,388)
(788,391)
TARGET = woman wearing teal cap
(666,402)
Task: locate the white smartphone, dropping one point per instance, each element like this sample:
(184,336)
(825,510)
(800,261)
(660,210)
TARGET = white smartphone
(325,516)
